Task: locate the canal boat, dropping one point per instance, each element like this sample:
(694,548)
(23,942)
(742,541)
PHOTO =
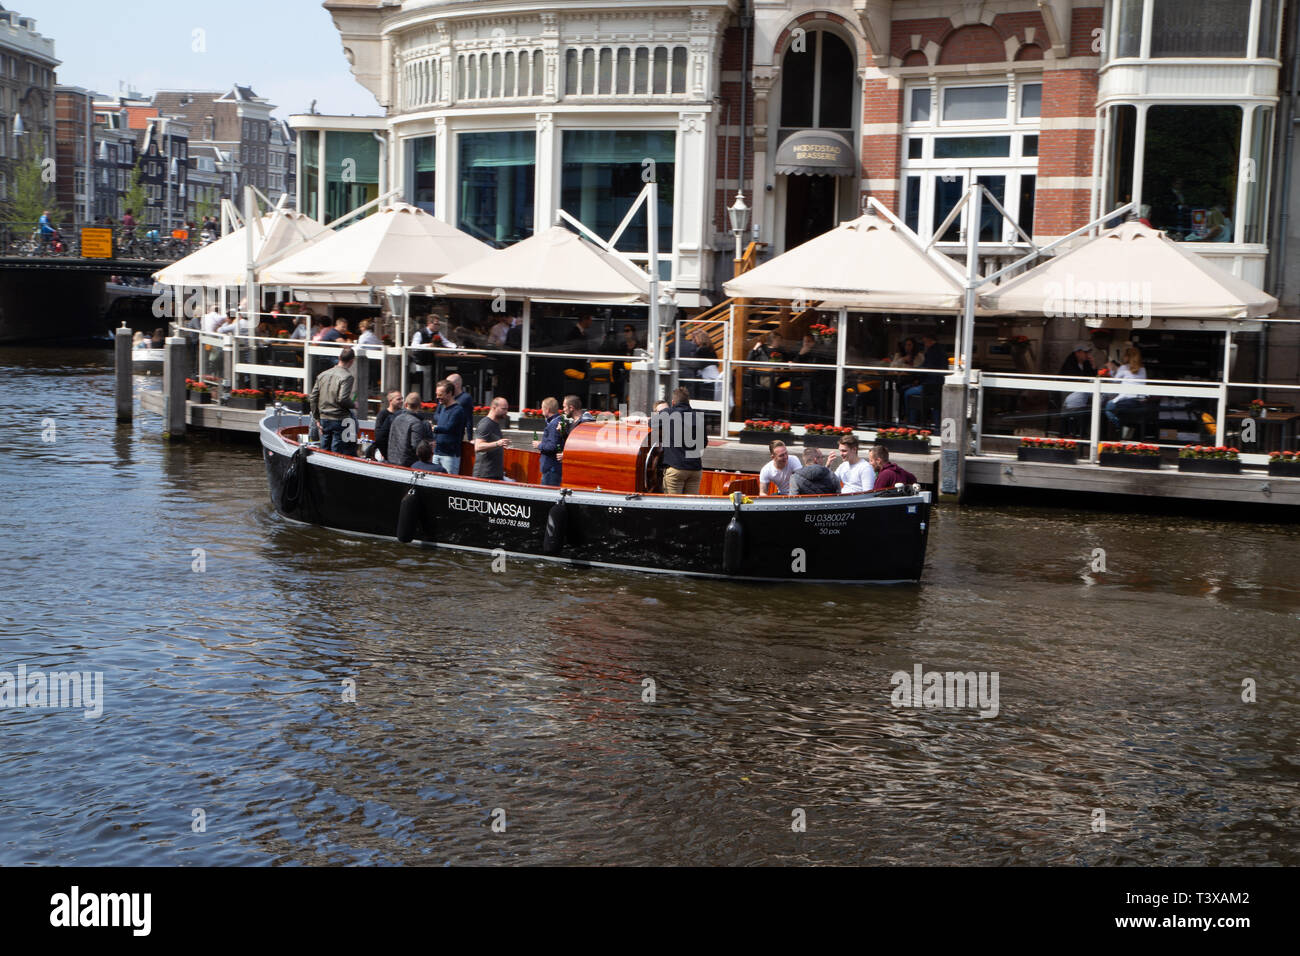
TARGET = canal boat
(608,512)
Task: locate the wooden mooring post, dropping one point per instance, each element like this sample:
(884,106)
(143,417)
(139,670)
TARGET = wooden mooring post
(122,381)
(174,371)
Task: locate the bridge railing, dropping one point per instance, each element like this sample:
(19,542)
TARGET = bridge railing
(25,239)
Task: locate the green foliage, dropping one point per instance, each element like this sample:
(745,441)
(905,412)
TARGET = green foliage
(137,197)
(32,191)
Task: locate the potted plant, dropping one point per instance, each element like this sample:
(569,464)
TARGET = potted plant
(429,411)
(531,418)
(1059,451)
(292,401)
(1128,455)
(1258,408)
(245,398)
(480,413)
(760,431)
(824,436)
(1209,459)
(822,334)
(200,393)
(905,439)
(1284,464)
(607,416)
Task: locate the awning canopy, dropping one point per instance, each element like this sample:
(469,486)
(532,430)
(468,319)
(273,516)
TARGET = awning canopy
(1132,272)
(333,296)
(816,152)
(225,261)
(398,240)
(555,264)
(866,264)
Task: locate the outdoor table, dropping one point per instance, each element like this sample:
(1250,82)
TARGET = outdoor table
(1277,432)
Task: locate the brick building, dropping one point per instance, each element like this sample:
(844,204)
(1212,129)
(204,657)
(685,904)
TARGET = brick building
(74,145)
(238,123)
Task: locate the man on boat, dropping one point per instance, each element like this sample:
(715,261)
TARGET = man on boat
(856,474)
(450,429)
(489,446)
(407,431)
(424,459)
(681,431)
(384,425)
(551,442)
(332,402)
(814,478)
(777,472)
(888,473)
(465,401)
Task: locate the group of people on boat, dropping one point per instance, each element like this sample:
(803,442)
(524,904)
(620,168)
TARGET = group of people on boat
(845,473)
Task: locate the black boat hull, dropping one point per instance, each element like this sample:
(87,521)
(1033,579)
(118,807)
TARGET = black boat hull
(847,539)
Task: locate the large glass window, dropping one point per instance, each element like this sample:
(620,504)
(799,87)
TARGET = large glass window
(1123,129)
(604,172)
(422,172)
(352,172)
(817,83)
(1256,172)
(1189,177)
(496,185)
(962,104)
(309,151)
(1200,28)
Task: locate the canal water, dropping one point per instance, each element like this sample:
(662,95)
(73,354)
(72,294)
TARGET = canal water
(554,715)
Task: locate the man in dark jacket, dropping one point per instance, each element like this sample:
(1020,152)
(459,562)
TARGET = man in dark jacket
(384,423)
(450,430)
(466,401)
(681,431)
(406,433)
(888,473)
(552,441)
(814,478)
(1079,362)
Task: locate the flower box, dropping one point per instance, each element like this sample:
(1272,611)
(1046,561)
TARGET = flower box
(245,401)
(1211,466)
(907,446)
(198,398)
(1114,459)
(820,440)
(1053,456)
(754,437)
(1284,468)
(531,423)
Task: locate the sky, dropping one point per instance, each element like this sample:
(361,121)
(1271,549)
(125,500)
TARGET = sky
(287,50)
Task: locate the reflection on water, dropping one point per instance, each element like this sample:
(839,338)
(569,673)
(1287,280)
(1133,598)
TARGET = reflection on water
(227,689)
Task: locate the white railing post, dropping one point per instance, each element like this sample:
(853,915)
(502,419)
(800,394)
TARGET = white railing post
(1095,433)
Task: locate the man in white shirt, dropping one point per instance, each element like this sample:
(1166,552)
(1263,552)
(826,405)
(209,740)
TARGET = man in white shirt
(431,335)
(855,473)
(299,328)
(213,320)
(778,470)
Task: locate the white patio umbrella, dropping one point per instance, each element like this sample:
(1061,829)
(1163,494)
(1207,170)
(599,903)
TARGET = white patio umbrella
(866,264)
(225,261)
(1131,271)
(555,264)
(398,240)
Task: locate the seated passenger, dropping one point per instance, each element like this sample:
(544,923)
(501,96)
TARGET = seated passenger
(424,459)
(814,478)
(778,471)
(888,473)
(856,473)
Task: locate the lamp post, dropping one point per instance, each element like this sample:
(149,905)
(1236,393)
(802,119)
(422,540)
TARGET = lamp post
(399,301)
(739,214)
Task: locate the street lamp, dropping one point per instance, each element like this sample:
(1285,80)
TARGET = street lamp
(739,214)
(399,301)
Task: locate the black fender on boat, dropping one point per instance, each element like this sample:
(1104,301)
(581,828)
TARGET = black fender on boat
(557,526)
(408,516)
(294,495)
(733,539)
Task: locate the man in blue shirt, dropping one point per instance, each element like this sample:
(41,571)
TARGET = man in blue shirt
(552,442)
(47,230)
(449,430)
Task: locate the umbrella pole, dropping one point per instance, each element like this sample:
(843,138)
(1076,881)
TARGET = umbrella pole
(525,344)
(652,339)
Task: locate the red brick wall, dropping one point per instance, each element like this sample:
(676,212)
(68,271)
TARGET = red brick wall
(973,44)
(729,153)
(1065,152)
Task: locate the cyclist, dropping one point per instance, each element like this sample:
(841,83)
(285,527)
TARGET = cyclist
(47,231)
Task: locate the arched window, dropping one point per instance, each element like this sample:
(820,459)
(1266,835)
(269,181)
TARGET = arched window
(817,82)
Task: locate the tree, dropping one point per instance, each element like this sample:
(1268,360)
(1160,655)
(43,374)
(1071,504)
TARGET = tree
(32,192)
(136,198)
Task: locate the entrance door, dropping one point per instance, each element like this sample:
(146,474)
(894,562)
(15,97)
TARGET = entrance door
(809,207)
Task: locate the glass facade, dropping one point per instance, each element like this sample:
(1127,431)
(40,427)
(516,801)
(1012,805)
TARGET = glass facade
(351,172)
(422,172)
(605,170)
(309,156)
(1190,165)
(497,185)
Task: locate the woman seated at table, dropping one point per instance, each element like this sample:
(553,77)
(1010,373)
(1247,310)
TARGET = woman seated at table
(767,349)
(1125,405)
(907,356)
